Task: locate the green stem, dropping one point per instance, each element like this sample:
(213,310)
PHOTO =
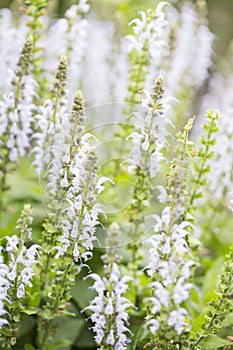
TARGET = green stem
(200,173)
(109,319)
(54,309)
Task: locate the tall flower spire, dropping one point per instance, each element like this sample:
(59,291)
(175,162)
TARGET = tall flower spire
(51,119)
(172,253)
(17,271)
(16,115)
(146,44)
(109,307)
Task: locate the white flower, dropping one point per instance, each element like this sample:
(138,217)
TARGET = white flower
(76,253)
(167,246)
(110,305)
(20,291)
(12,243)
(191,69)
(99,186)
(181,291)
(64,182)
(3,322)
(177,318)
(19,120)
(12,38)
(32,254)
(156,306)
(186,269)
(83,6)
(12,273)
(153,325)
(169,264)
(115,274)
(162,222)
(161,293)
(99,334)
(110,339)
(150,34)
(99,285)
(18,273)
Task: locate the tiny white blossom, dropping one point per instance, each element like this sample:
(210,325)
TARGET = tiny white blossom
(99,186)
(20,291)
(153,325)
(83,6)
(110,339)
(177,318)
(181,291)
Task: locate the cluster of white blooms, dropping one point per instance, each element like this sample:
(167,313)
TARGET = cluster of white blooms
(47,134)
(4,286)
(77,177)
(77,37)
(120,75)
(89,44)
(77,43)
(151,137)
(16,120)
(11,42)
(51,121)
(220,177)
(110,304)
(56,32)
(170,260)
(73,181)
(16,267)
(17,108)
(100,61)
(189,64)
(109,307)
(149,32)
(69,34)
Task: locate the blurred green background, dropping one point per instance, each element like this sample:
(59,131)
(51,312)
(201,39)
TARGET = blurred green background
(220,14)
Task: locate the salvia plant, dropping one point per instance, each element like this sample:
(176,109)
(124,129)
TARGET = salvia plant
(115,203)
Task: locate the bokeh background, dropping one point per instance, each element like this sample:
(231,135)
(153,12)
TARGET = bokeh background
(220,14)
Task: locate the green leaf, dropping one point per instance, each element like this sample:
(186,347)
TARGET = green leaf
(214,342)
(59,345)
(229,320)
(32,299)
(29,347)
(210,281)
(26,326)
(86,338)
(81,293)
(137,337)
(30,311)
(67,331)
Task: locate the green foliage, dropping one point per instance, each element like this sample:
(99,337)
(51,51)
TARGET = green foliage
(218,308)
(35,10)
(204,154)
(49,314)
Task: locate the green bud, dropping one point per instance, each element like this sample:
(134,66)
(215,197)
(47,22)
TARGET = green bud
(159,88)
(189,125)
(25,57)
(78,103)
(24,222)
(61,73)
(58,87)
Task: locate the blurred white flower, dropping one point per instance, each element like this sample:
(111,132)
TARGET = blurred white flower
(177,318)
